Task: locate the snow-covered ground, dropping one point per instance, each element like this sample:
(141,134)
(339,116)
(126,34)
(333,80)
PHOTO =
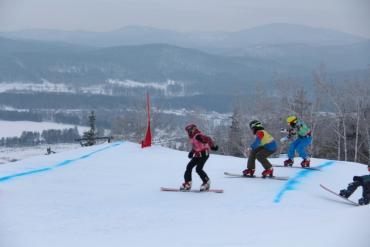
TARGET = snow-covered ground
(12,154)
(15,128)
(108,195)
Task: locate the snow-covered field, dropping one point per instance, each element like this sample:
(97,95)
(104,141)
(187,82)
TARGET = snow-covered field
(108,195)
(15,128)
(106,88)
(12,154)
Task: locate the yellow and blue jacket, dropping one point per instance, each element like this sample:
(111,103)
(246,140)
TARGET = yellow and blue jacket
(264,139)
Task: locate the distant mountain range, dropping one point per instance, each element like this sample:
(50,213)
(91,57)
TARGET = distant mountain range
(273,34)
(132,60)
(191,71)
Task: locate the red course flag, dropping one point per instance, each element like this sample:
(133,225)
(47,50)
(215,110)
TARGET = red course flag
(147,142)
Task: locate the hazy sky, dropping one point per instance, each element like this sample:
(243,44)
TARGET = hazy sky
(351,16)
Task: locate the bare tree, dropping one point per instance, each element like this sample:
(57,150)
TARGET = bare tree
(236,142)
(336,97)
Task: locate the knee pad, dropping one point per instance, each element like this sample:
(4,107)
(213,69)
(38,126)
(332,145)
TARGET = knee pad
(357,179)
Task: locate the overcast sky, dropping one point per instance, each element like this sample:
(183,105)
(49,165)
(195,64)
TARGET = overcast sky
(351,16)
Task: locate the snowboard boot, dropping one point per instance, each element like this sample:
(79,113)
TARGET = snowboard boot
(186,186)
(248,172)
(305,163)
(288,162)
(268,172)
(350,189)
(364,201)
(205,186)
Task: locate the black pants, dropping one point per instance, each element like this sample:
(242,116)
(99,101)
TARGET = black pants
(261,155)
(199,163)
(363,181)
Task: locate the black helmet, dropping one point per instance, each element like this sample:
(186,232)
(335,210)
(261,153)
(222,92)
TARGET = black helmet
(255,124)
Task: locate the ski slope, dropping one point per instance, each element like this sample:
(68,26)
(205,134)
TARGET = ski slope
(109,195)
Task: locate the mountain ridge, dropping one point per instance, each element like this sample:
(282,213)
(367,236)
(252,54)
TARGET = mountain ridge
(275,33)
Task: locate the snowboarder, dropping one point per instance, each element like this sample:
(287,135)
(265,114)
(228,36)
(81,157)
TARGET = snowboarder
(263,146)
(303,140)
(201,144)
(49,151)
(363,181)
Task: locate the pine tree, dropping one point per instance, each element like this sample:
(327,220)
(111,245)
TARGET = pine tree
(91,133)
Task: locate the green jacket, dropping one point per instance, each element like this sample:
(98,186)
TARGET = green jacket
(301,129)
(366,179)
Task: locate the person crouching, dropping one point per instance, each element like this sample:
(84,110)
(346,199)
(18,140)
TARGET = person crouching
(263,146)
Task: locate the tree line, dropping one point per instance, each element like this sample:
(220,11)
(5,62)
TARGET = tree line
(51,136)
(337,113)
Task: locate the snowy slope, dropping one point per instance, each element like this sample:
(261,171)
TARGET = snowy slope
(11,154)
(108,195)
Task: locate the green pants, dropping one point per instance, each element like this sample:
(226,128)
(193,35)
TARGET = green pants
(261,155)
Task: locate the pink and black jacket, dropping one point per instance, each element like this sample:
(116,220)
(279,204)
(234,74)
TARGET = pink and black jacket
(201,144)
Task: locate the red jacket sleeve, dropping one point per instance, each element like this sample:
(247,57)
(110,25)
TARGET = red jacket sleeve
(260,135)
(257,141)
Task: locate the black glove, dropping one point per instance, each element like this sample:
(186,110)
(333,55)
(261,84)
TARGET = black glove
(292,132)
(214,148)
(190,155)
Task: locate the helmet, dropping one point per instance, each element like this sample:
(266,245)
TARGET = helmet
(191,128)
(292,119)
(255,124)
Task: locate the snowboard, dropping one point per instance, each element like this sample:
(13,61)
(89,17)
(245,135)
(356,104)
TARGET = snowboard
(192,190)
(344,198)
(299,167)
(242,176)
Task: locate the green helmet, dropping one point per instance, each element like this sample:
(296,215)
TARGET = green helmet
(255,124)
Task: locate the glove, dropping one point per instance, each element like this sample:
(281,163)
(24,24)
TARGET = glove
(284,139)
(190,155)
(292,132)
(214,148)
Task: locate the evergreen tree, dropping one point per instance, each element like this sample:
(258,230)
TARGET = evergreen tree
(90,135)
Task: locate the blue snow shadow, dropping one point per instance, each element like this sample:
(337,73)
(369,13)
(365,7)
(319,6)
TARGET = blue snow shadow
(60,164)
(292,183)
